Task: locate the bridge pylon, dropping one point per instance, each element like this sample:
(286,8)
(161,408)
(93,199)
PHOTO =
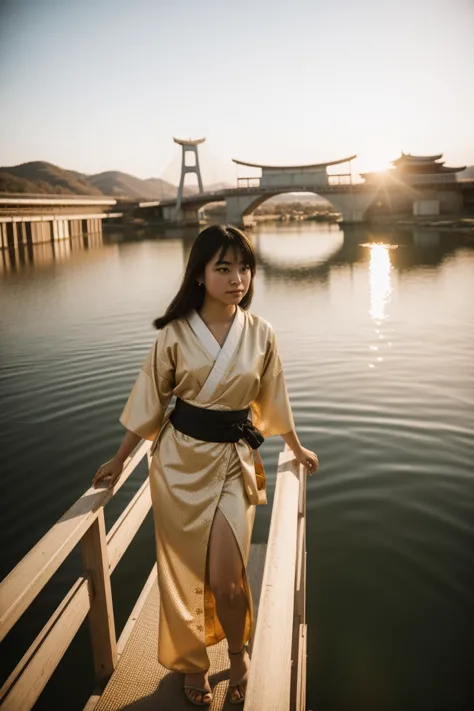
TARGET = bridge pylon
(188,146)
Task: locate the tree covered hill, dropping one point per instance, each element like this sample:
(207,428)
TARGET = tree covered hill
(117,184)
(39,177)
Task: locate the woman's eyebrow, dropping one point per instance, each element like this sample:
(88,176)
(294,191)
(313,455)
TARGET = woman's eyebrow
(223,261)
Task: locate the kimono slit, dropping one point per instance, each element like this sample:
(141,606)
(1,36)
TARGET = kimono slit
(191,478)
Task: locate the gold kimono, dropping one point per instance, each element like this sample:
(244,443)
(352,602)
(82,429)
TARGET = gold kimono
(190,478)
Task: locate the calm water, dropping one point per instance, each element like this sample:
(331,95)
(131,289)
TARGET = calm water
(376,331)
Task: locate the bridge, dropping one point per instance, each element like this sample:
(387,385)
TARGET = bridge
(33,219)
(416,185)
(423,185)
(349,198)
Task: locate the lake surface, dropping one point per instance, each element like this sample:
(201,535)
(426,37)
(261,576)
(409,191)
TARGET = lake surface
(376,332)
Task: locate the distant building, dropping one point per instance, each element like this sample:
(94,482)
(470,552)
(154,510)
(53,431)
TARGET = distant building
(416,170)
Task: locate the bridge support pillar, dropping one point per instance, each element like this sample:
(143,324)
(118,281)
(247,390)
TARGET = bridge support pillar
(180,216)
(11,234)
(352,206)
(190,147)
(3,235)
(236,208)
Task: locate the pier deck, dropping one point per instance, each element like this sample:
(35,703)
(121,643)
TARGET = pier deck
(126,669)
(139,682)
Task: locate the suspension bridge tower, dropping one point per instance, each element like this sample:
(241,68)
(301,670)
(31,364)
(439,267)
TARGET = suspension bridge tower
(189,146)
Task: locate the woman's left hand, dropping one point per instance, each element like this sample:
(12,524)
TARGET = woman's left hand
(307,458)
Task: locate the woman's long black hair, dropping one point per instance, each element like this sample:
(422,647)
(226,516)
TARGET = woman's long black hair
(191,295)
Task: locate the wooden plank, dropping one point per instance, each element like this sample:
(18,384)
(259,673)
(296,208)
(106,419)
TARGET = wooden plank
(92,702)
(286,456)
(300,690)
(124,529)
(134,672)
(63,626)
(300,557)
(302,492)
(30,676)
(270,674)
(32,673)
(294,662)
(28,578)
(256,567)
(130,624)
(302,592)
(101,613)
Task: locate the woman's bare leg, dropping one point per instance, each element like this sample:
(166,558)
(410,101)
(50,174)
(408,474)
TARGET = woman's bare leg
(225,578)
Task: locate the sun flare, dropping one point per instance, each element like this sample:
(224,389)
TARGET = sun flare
(380,279)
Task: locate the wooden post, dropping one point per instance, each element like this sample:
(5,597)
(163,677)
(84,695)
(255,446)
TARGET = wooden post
(270,674)
(298,656)
(101,614)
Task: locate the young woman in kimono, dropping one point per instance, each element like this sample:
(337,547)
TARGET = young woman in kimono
(206,476)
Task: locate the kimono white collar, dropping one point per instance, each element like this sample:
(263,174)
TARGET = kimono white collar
(222,355)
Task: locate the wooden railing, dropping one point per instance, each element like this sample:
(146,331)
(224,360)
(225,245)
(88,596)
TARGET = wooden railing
(278,671)
(277,677)
(83,523)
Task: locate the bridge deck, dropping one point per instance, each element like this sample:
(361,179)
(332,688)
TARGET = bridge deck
(139,682)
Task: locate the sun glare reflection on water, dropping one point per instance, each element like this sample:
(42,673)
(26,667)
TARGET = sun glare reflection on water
(380,280)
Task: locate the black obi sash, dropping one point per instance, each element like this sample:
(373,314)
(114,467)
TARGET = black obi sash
(215,425)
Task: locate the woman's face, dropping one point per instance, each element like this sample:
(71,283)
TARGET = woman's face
(231,274)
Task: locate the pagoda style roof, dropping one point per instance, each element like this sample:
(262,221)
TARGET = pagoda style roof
(423,164)
(189,141)
(293,167)
(416,168)
(449,169)
(426,165)
(409,158)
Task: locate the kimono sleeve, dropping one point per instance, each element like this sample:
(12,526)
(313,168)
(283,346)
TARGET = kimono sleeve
(271,409)
(151,393)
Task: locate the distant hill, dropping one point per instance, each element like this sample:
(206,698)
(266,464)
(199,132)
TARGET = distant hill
(218,186)
(41,177)
(118,184)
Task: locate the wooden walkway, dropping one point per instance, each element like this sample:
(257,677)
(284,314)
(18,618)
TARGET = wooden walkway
(139,683)
(126,669)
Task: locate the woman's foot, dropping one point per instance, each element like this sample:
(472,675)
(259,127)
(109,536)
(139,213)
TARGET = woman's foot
(198,689)
(239,671)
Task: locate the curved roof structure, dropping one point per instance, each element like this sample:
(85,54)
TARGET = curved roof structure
(423,164)
(293,167)
(422,159)
(189,141)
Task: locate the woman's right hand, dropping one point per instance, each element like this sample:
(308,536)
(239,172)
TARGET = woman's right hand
(111,470)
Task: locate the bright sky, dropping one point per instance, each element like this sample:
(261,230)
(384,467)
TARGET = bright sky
(96,85)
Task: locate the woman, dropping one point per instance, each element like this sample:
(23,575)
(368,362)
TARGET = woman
(206,475)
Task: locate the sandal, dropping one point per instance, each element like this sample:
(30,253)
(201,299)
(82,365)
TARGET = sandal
(240,685)
(203,692)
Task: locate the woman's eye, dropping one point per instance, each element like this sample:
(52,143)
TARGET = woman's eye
(246,267)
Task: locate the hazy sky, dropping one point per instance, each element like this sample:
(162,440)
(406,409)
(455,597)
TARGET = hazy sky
(105,84)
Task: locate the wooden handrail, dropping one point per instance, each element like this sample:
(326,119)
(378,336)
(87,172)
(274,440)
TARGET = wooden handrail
(298,671)
(278,671)
(269,685)
(89,594)
(27,579)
